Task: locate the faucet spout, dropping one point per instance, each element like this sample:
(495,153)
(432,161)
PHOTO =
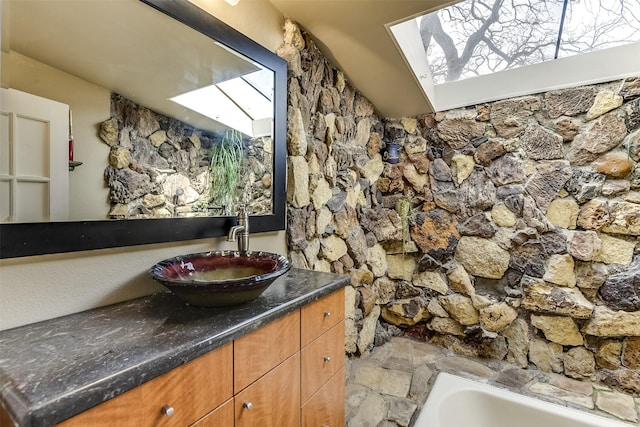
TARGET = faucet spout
(240,232)
(233,232)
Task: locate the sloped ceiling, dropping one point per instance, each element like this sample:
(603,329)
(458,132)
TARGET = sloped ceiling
(352,34)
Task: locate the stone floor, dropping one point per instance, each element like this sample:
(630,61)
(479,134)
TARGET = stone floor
(387,387)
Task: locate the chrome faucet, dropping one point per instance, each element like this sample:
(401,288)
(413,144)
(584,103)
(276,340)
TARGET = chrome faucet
(241,231)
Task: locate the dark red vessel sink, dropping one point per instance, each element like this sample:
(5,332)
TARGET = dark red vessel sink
(220,278)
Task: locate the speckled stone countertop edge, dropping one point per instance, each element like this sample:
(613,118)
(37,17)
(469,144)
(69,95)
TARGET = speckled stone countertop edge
(60,407)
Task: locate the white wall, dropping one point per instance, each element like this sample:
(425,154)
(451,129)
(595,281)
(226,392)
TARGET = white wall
(257,19)
(43,287)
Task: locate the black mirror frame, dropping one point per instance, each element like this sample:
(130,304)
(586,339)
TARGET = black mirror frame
(28,239)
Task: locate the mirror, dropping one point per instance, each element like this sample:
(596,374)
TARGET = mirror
(129,119)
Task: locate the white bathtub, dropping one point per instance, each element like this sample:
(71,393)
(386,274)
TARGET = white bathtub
(459,402)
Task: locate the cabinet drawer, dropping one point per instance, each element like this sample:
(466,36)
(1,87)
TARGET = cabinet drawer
(191,390)
(273,400)
(327,407)
(321,315)
(321,360)
(222,416)
(261,350)
(122,410)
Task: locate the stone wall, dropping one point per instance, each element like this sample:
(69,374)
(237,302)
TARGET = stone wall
(507,230)
(159,166)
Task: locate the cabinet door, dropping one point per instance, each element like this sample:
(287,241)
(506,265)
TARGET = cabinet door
(258,352)
(321,359)
(273,400)
(327,407)
(219,417)
(320,316)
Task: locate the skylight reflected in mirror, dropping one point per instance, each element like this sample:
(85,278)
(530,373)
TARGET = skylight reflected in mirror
(243,103)
(473,40)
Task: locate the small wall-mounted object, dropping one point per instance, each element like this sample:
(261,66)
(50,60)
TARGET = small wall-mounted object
(72,163)
(391,154)
(70,136)
(479,140)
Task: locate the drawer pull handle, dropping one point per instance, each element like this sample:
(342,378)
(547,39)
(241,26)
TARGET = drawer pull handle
(168,410)
(327,314)
(247,405)
(327,359)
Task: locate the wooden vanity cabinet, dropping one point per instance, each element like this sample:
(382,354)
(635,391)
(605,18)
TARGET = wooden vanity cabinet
(287,373)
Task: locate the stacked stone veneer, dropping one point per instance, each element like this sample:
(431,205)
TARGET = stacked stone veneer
(159,166)
(507,230)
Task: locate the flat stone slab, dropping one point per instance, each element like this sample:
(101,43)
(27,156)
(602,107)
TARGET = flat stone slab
(558,393)
(384,381)
(460,364)
(617,404)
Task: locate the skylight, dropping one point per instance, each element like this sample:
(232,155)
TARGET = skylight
(475,51)
(243,103)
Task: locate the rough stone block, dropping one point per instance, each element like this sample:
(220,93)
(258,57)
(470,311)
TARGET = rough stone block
(496,317)
(579,363)
(608,323)
(563,213)
(558,329)
(560,270)
(460,308)
(542,297)
(631,353)
(608,354)
(545,355)
(614,250)
(482,257)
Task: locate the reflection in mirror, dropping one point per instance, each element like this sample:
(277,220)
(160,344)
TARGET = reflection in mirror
(164,122)
(114,85)
(161,167)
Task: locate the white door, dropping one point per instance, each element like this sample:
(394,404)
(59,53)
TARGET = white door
(34,159)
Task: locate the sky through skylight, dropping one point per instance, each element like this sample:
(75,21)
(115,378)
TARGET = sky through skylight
(474,38)
(478,51)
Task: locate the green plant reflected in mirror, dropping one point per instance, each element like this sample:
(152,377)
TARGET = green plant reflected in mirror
(225,168)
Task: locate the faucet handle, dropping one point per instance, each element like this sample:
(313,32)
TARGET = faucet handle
(243,217)
(243,211)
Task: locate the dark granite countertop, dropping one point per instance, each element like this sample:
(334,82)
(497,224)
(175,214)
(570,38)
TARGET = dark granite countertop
(53,370)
